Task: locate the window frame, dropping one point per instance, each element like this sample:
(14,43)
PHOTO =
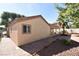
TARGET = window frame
(28,28)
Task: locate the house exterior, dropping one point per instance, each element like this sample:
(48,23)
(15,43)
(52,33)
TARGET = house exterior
(25,30)
(55,28)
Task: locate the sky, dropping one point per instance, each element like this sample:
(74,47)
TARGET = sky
(47,10)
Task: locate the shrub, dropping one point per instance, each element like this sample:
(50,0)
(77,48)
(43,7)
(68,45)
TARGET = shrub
(66,42)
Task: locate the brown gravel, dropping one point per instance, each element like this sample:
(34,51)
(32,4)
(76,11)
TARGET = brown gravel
(36,46)
(58,49)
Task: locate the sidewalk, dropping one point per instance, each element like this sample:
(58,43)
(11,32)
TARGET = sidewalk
(8,48)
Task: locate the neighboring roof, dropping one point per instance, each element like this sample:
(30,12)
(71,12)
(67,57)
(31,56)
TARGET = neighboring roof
(55,26)
(26,18)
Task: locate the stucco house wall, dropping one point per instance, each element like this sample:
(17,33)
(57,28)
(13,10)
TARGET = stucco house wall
(13,33)
(39,30)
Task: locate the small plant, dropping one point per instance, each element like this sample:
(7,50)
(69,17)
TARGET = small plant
(66,42)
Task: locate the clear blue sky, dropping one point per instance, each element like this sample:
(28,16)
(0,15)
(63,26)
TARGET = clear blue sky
(47,10)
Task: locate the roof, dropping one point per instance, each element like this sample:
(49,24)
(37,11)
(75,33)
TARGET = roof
(55,26)
(20,19)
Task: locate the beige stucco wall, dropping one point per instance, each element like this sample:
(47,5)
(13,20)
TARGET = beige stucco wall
(14,33)
(39,30)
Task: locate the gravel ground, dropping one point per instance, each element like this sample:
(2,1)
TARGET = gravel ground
(53,47)
(36,46)
(58,49)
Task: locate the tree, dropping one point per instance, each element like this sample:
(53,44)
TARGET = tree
(69,13)
(8,15)
(73,13)
(5,19)
(62,18)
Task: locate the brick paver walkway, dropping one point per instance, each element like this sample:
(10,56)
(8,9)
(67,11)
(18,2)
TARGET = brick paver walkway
(7,47)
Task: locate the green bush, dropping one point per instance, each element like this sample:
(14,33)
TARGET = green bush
(66,42)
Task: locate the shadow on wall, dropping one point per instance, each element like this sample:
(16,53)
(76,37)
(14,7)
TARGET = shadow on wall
(52,49)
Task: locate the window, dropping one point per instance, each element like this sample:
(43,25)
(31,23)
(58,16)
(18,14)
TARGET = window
(26,29)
